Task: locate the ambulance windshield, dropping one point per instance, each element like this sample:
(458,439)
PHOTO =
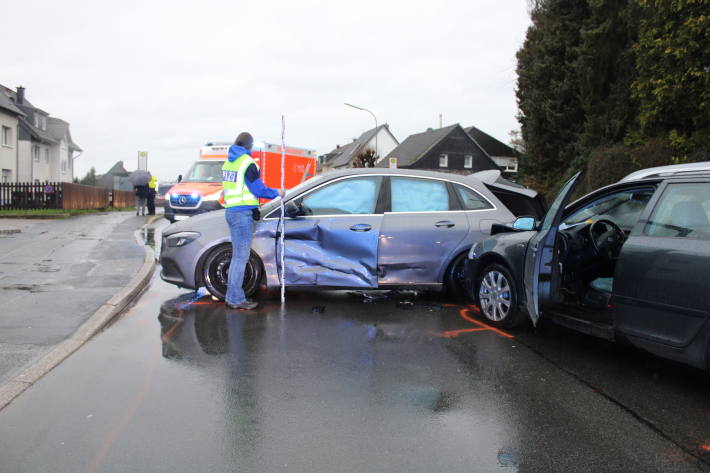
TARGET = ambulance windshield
(205,171)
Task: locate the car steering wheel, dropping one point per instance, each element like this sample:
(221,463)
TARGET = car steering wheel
(607,238)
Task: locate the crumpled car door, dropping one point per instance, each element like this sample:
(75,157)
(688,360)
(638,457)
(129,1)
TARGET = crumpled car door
(335,242)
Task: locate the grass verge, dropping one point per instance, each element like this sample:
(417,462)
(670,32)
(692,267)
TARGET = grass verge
(57,213)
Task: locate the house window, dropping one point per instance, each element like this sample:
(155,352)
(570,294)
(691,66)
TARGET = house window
(35,153)
(46,155)
(6,175)
(6,136)
(443,160)
(468,161)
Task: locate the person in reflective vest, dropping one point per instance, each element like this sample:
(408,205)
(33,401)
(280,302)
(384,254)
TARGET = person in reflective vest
(152,191)
(242,189)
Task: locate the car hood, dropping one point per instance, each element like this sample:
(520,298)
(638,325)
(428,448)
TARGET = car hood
(196,223)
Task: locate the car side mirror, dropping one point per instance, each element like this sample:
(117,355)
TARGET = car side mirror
(292,209)
(524,224)
(179,177)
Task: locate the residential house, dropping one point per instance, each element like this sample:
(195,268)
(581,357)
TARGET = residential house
(45,146)
(10,117)
(503,155)
(380,140)
(448,149)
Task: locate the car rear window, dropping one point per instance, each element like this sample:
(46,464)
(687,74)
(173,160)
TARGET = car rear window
(470,199)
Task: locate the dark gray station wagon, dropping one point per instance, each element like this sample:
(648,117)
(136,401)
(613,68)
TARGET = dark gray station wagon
(628,262)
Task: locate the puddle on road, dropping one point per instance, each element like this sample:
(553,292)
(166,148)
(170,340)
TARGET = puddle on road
(32,288)
(45,268)
(149,237)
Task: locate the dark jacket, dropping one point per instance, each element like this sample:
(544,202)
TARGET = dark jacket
(142,192)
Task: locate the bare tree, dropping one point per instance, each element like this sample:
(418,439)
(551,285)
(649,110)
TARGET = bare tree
(365,159)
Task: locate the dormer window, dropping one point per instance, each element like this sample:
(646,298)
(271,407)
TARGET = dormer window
(40,121)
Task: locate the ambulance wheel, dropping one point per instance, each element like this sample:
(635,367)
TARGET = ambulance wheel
(215,271)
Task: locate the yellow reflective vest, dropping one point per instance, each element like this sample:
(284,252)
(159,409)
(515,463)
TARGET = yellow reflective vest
(236,192)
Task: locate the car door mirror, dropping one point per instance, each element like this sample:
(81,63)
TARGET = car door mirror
(524,224)
(292,209)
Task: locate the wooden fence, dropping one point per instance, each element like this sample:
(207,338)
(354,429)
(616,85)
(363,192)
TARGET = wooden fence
(60,195)
(123,199)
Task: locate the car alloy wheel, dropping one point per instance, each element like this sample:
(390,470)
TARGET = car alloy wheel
(495,296)
(216,270)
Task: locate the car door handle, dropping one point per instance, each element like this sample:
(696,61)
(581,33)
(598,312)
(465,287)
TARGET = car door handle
(361,227)
(445,223)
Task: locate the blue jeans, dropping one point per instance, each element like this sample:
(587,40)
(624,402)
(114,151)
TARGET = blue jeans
(241,227)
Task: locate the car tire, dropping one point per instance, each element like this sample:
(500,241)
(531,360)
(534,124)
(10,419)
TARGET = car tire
(216,269)
(497,297)
(455,280)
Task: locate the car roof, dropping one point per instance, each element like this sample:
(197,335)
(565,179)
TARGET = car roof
(672,170)
(472,180)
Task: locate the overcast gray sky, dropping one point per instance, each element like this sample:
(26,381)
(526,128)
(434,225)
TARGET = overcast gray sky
(168,76)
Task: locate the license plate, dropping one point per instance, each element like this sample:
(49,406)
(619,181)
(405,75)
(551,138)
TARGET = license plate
(182,217)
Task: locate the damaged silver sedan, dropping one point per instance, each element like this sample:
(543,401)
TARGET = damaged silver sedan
(359,228)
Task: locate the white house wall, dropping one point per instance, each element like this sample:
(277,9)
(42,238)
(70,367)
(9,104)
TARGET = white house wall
(385,144)
(8,153)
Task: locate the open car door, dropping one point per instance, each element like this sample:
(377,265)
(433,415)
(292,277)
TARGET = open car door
(542,271)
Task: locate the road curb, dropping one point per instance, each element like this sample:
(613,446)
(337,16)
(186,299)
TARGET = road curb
(94,324)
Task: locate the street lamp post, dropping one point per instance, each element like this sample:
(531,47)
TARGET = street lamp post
(377,150)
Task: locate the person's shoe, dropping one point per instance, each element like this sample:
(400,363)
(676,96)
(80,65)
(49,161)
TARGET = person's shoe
(246,305)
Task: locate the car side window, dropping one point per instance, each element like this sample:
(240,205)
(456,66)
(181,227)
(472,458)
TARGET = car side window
(418,195)
(470,199)
(683,211)
(622,208)
(344,197)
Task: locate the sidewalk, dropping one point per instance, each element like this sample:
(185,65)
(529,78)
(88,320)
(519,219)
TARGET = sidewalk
(55,274)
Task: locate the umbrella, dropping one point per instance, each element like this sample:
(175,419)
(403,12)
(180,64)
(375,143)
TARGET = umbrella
(140,178)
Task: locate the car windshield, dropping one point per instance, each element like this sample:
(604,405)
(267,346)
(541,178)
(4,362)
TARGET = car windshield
(622,208)
(205,171)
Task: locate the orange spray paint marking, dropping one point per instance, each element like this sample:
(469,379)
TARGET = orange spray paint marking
(464,315)
(456,333)
(169,333)
(112,436)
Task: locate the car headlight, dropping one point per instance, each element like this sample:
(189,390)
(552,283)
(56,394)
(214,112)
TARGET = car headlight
(182,238)
(473,252)
(213,197)
(167,195)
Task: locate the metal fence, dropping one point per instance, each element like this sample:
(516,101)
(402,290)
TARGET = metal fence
(59,195)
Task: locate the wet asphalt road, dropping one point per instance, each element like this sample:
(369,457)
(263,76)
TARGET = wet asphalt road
(333,384)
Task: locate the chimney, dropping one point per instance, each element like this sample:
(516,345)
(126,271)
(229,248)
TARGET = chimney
(20,95)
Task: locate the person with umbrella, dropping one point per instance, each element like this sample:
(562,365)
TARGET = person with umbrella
(140,181)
